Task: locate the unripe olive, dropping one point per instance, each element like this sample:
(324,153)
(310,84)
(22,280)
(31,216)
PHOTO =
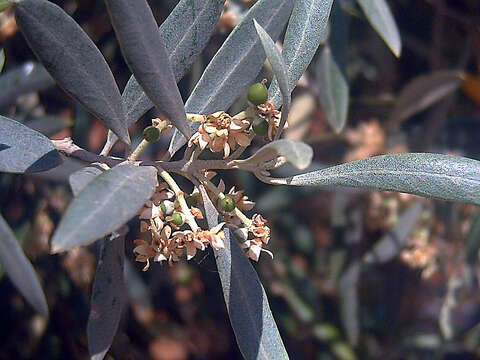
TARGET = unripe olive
(151,134)
(261,128)
(178,219)
(227,203)
(167,207)
(192,200)
(257,93)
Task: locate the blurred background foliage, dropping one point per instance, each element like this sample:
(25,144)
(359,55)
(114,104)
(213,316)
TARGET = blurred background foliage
(356,274)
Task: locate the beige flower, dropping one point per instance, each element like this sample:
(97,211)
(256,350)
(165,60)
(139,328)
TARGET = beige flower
(150,211)
(191,242)
(272,116)
(215,236)
(241,201)
(221,133)
(254,248)
(143,252)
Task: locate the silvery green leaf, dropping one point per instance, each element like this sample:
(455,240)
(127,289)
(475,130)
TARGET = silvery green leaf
(81,178)
(424,91)
(276,61)
(2,59)
(295,152)
(185,33)
(108,297)
(333,89)
(348,292)
(23,79)
(472,248)
(247,304)
(20,270)
(104,205)
(73,60)
(146,55)
(23,150)
(439,176)
(380,17)
(236,63)
(394,240)
(306,29)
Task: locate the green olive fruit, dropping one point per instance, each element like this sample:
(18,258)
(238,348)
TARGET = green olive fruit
(257,93)
(151,134)
(178,219)
(227,203)
(261,128)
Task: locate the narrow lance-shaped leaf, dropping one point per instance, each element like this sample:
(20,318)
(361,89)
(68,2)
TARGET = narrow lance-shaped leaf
(394,240)
(48,125)
(333,90)
(81,178)
(439,176)
(236,63)
(146,55)
(108,297)
(185,33)
(380,17)
(73,60)
(2,59)
(23,150)
(424,91)
(247,304)
(26,78)
(104,205)
(275,59)
(472,247)
(297,153)
(348,290)
(306,29)
(20,270)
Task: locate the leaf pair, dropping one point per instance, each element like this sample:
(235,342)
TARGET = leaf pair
(247,304)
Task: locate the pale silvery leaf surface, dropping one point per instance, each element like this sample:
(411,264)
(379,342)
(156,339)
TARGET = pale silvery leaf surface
(185,33)
(247,304)
(306,29)
(146,55)
(77,66)
(104,205)
(424,91)
(20,270)
(439,176)
(236,63)
(48,125)
(333,90)
(23,79)
(348,290)
(472,254)
(276,61)
(380,17)
(109,296)
(23,150)
(81,178)
(295,152)
(394,240)
(2,59)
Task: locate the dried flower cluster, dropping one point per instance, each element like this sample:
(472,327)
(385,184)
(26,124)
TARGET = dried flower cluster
(169,241)
(268,112)
(221,132)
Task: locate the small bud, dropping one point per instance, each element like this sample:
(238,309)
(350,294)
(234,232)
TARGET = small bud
(151,134)
(257,93)
(241,234)
(260,128)
(227,203)
(178,219)
(192,200)
(167,207)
